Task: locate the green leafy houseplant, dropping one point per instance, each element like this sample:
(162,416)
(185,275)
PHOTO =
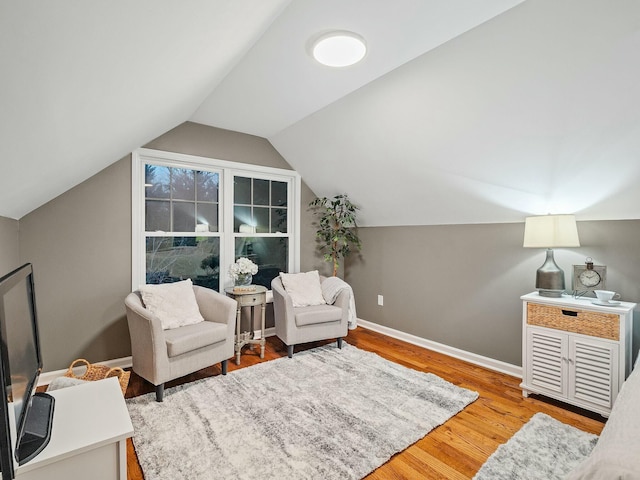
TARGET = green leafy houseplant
(337,228)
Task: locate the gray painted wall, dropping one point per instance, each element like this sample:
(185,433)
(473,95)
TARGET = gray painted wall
(80,246)
(457,284)
(9,245)
(460,285)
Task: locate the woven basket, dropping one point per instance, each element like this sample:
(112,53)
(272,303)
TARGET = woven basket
(96,371)
(595,324)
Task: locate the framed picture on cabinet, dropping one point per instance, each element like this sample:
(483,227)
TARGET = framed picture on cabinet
(589,277)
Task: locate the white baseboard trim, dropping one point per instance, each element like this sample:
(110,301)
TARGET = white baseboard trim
(47,377)
(474,358)
(124,362)
(490,363)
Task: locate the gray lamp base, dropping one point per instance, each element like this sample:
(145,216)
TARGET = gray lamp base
(550,293)
(550,278)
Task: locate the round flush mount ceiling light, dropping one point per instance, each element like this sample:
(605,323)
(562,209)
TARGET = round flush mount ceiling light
(339,49)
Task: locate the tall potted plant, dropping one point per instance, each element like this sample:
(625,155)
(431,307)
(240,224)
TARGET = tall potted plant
(337,228)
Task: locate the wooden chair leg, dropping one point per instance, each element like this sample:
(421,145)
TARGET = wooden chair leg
(290,351)
(159,392)
(340,342)
(224,366)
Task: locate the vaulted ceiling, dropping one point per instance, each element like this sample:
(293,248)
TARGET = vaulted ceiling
(461,112)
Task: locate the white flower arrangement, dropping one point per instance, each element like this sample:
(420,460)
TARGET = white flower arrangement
(242,266)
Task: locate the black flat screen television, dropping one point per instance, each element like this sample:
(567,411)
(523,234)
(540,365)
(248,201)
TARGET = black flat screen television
(25,416)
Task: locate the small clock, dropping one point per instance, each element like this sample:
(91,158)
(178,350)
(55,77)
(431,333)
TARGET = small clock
(589,277)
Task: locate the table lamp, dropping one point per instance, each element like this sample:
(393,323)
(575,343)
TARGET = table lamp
(550,231)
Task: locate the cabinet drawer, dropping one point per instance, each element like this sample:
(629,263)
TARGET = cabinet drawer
(251,300)
(595,324)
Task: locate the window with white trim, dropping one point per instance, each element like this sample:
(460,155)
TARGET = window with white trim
(192,217)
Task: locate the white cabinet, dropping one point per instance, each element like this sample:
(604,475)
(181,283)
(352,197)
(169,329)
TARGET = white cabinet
(575,351)
(91,425)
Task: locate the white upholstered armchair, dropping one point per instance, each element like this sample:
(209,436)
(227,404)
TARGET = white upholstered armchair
(162,355)
(302,324)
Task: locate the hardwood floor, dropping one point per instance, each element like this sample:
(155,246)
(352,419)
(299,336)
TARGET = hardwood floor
(455,450)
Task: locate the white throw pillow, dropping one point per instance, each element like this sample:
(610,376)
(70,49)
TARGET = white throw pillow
(303,288)
(173,303)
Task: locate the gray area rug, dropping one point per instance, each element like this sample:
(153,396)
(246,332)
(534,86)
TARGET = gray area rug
(543,449)
(326,413)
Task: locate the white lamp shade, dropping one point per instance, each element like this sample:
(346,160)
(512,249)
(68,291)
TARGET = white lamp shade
(551,231)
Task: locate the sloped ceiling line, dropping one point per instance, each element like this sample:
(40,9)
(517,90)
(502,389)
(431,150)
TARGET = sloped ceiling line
(461,112)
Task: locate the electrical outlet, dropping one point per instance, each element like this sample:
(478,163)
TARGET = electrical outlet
(380,300)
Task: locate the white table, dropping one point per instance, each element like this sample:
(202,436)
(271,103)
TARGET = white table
(91,425)
(251,296)
(575,351)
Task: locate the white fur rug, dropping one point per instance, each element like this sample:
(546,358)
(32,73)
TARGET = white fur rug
(323,414)
(543,449)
